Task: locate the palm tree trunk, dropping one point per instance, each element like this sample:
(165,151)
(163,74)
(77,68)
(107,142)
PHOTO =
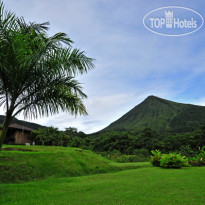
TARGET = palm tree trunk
(4,129)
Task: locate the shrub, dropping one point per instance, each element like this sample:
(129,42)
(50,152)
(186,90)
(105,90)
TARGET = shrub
(155,159)
(173,160)
(130,158)
(117,156)
(66,140)
(187,151)
(198,160)
(75,142)
(141,152)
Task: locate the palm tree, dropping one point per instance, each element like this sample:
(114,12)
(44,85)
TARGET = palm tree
(37,72)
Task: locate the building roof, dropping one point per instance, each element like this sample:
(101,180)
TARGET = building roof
(20,127)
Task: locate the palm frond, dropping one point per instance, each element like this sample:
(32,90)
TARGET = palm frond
(36,71)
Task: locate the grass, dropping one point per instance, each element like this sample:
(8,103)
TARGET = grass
(26,163)
(55,175)
(145,186)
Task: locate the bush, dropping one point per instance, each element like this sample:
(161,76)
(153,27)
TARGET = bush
(155,159)
(130,158)
(117,156)
(141,152)
(66,140)
(198,160)
(75,142)
(173,160)
(187,151)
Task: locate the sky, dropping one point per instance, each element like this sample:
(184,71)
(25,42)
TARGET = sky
(131,62)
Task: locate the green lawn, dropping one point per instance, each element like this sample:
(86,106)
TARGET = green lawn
(55,175)
(140,186)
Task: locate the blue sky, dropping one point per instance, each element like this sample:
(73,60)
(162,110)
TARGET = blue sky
(131,62)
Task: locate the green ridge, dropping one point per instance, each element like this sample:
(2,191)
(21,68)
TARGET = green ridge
(161,115)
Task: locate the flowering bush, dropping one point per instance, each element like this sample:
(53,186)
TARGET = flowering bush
(173,160)
(155,159)
(198,160)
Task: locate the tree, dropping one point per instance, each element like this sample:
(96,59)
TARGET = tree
(72,131)
(50,136)
(148,139)
(37,72)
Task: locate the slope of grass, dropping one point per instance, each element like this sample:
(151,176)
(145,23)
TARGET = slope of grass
(145,186)
(26,163)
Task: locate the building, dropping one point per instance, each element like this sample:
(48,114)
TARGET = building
(18,134)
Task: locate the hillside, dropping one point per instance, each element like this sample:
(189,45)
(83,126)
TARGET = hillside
(161,115)
(22,122)
(20,163)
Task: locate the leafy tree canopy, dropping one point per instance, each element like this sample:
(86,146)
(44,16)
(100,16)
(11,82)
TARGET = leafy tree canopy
(37,71)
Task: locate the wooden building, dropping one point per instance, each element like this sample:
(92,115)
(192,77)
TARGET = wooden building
(18,134)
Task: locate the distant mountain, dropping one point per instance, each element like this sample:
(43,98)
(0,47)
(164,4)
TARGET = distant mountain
(161,115)
(22,122)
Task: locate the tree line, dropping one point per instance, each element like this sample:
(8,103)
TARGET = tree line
(125,143)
